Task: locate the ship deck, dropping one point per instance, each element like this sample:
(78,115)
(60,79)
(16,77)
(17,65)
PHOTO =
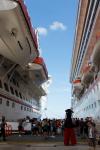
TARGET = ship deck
(30,142)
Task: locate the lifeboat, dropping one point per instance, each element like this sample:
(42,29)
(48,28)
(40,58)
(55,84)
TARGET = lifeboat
(77,92)
(38,71)
(18,41)
(78,87)
(36,90)
(77,82)
(39,91)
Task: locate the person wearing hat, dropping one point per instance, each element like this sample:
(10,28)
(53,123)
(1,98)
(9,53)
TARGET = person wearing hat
(69,113)
(69,134)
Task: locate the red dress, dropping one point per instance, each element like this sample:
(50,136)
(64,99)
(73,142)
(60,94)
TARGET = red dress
(69,134)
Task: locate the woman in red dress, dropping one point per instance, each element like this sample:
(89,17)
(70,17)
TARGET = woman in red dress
(69,134)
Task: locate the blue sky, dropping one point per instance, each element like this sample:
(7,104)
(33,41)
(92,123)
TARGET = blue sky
(55,20)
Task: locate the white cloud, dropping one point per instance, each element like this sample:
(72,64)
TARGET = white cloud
(57,25)
(42,31)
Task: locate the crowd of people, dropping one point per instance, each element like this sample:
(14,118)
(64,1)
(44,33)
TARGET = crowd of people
(70,128)
(45,127)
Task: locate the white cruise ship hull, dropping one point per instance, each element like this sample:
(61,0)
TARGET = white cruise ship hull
(20,92)
(89,104)
(86,61)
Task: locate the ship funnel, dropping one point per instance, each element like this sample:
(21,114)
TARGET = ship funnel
(7,5)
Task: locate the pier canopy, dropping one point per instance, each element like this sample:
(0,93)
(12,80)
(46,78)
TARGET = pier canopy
(18,39)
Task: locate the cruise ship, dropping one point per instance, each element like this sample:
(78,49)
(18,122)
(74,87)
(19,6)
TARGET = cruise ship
(22,70)
(85,64)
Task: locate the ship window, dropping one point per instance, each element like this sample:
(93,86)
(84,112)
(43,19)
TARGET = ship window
(19,43)
(29,45)
(0,100)
(99,102)
(97,87)
(12,90)
(20,95)
(17,84)
(14,82)
(23,98)
(27,109)
(7,103)
(13,105)
(92,105)
(95,104)
(0,84)
(6,87)
(16,92)
(24,108)
(21,107)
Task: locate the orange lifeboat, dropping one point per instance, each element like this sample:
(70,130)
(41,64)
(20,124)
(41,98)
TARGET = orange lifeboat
(18,40)
(78,87)
(38,71)
(77,83)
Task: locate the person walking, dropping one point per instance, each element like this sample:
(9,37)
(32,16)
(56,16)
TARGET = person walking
(3,124)
(20,127)
(92,135)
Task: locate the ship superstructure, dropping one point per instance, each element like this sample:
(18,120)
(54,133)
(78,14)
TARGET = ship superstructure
(85,65)
(22,71)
